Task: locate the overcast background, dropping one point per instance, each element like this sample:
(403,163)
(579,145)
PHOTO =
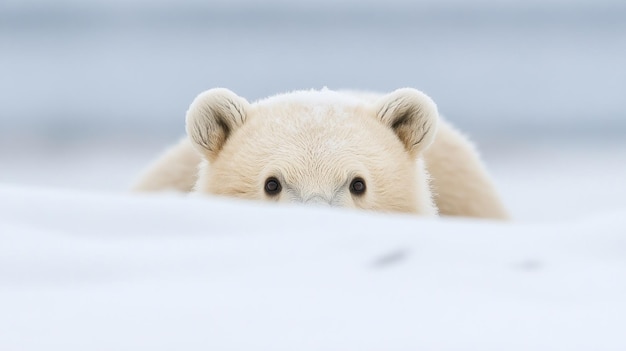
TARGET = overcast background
(72,68)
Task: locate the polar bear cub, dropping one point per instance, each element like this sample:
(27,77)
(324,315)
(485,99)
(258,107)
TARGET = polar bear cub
(377,152)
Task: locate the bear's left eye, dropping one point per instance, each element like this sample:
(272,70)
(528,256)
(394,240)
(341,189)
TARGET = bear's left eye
(272,186)
(357,186)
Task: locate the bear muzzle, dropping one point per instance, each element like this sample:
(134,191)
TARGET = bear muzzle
(315,200)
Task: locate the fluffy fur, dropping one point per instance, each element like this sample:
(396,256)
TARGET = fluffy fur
(316,142)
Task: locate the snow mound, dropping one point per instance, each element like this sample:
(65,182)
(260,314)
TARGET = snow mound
(89,271)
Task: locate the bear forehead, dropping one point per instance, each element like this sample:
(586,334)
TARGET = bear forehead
(322,123)
(313,127)
(324,112)
(323,132)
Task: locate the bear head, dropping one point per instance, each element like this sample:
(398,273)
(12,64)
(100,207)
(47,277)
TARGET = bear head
(322,147)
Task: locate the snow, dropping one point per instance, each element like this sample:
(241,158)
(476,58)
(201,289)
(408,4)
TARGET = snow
(86,265)
(100,271)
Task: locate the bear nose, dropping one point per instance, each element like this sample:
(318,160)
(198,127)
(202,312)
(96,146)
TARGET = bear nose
(317,200)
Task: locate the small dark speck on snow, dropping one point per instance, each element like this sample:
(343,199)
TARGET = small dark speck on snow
(391,258)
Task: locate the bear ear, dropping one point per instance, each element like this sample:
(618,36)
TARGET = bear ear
(212,117)
(413,117)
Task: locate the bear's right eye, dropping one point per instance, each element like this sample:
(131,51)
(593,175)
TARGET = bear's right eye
(357,186)
(272,186)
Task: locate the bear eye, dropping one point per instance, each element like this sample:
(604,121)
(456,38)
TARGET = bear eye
(357,186)
(272,186)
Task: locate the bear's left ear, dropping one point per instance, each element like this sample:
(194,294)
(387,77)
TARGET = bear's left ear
(212,117)
(413,117)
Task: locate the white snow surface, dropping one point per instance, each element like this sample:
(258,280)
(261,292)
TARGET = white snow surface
(94,271)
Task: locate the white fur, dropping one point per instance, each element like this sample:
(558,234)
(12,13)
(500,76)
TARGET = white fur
(316,142)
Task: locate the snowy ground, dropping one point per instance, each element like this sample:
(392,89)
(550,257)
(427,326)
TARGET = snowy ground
(93,271)
(95,268)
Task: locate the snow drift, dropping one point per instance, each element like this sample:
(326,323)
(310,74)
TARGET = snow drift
(90,271)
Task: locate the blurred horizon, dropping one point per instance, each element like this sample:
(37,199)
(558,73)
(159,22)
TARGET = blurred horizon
(109,69)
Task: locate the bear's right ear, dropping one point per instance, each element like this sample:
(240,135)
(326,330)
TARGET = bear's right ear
(212,117)
(412,116)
